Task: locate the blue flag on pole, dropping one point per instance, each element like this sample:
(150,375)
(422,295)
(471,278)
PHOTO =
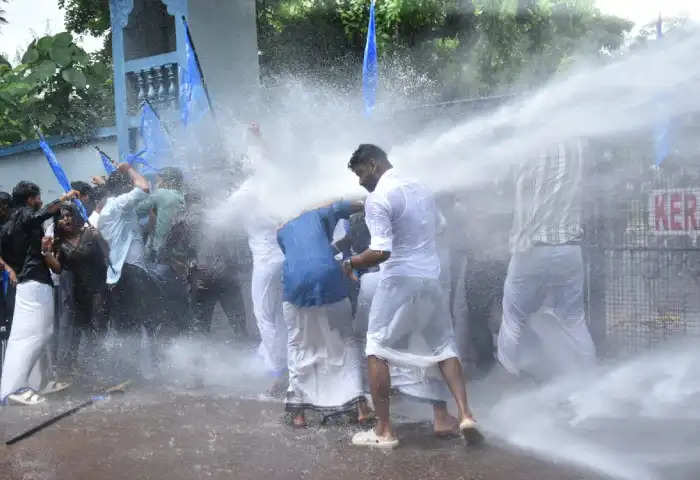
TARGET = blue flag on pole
(107,163)
(370,74)
(157,151)
(663,126)
(194,103)
(60,174)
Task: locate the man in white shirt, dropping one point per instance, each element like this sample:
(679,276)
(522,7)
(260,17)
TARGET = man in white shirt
(546,272)
(409,323)
(118,223)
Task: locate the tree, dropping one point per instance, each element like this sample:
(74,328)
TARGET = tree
(58,87)
(89,17)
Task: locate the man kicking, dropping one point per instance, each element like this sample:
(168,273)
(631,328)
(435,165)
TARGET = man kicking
(409,323)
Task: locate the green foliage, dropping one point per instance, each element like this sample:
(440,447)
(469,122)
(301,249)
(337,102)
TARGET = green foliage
(467,47)
(57,87)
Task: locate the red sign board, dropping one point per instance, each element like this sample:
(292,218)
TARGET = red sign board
(674,211)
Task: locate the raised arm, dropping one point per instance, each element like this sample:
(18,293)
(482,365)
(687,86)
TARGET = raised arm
(138,179)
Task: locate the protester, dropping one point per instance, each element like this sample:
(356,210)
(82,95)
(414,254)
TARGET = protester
(86,195)
(33,315)
(323,356)
(79,248)
(134,297)
(402,219)
(546,267)
(261,226)
(168,205)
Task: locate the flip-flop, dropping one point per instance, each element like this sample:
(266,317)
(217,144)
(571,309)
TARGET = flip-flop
(369,438)
(26,397)
(54,387)
(471,433)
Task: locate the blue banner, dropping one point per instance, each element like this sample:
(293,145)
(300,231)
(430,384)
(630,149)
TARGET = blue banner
(194,103)
(370,74)
(60,174)
(157,151)
(107,162)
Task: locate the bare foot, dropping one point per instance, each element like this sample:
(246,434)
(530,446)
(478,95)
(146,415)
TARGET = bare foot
(364,413)
(445,426)
(299,421)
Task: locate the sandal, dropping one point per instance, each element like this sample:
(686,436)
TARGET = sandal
(369,438)
(470,431)
(54,387)
(26,396)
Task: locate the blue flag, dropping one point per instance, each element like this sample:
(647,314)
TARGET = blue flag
(370,74)
(5,281)
(60,174)
(662,129)
(157,151)
(107,163)
(194,103)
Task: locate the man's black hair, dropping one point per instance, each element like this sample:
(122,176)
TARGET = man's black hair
(98,193)
(367,152)
(23,191)
(118,183)
(171,177)
(5,199)
(82,187)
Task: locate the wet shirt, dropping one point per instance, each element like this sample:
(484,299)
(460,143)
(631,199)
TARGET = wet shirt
(86,261)
(29,224)
(548,199)
(119,226)
(311,275)
(402,218)
(170,206)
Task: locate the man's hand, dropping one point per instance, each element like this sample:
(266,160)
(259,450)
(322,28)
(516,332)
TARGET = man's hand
(124,167)
(13,276)
(46,244)
(349,270)
(70,196)
(99,180)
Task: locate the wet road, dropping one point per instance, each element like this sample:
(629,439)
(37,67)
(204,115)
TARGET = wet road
(151,433)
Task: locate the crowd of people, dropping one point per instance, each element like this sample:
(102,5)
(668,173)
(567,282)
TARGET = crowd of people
(351,298)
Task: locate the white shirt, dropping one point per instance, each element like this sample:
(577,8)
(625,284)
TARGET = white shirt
(94,218)
(119,226)
(402,219)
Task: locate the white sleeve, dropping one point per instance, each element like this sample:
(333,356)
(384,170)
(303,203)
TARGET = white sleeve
(129,200)
(378,220)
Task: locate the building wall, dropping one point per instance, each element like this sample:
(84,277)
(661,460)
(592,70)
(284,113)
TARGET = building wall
(80,162)
(225,36)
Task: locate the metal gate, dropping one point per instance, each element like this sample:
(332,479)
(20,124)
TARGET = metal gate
(643,245)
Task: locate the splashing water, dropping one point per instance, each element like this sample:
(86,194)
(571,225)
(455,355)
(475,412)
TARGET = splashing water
(636,420)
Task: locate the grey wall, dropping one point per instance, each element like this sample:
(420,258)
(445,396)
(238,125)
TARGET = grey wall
(224,33)
(80,163)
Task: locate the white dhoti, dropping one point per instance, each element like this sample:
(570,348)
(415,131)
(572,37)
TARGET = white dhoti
(410,326)
(267,305)
(32,327)
(324,358)
(547,278)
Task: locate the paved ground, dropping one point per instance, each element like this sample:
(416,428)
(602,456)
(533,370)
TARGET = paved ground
(152,433)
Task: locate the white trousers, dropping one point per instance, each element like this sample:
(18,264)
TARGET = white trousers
(324,358)
(266,290)
(421,379)
(547,279)
(32,327)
